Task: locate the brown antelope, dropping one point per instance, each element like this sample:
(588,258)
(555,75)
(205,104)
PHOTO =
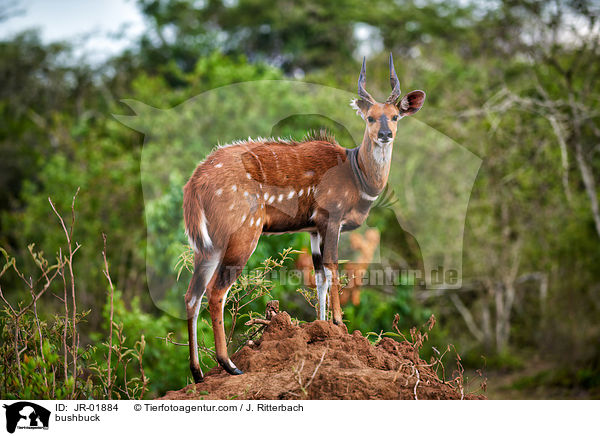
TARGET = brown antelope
(271,186)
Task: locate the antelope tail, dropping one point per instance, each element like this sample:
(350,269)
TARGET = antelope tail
(196,228)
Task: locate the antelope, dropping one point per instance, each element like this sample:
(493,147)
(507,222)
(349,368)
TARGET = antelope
(270,186)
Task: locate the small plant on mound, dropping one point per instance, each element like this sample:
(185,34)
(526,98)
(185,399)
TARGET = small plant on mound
(298,374)
(249,288)
(418,337)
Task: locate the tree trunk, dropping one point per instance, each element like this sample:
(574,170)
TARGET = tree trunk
(589,183)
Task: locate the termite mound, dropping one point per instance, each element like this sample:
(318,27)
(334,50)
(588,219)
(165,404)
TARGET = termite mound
(321,360)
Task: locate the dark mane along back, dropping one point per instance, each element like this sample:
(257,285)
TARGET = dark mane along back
(320,135)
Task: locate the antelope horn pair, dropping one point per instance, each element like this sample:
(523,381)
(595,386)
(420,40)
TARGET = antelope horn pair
(362,92)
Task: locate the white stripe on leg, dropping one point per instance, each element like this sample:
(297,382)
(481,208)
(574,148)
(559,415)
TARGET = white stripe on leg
(223,318)
(322,293)
(315,243)
(320,280)
(194,332)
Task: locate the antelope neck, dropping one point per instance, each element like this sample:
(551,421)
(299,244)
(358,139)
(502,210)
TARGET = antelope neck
(370,174)
(359,176)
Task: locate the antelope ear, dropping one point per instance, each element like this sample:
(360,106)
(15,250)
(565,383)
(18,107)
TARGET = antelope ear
(411,102)
(361,106)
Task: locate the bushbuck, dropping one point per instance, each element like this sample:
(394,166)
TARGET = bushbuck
(251,187)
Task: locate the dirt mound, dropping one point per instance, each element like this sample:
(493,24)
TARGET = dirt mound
(320,360)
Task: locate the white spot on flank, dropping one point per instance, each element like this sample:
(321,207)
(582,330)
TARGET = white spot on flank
(243,218)
(219,191)
(314,214)
(272,199)
(249,176)
(245,193)
(280,198)
(231,206)
(219,165)
(257,222)
(309,173)
(252,221)
(234,188)
(300,193)
(291,194)
(266,196)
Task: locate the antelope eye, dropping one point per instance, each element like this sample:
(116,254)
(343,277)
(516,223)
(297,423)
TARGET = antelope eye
(370,119)
(395,118)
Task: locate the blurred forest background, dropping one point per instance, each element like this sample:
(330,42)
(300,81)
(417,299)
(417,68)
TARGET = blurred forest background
(515,82)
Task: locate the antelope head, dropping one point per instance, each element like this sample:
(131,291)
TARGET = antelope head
(382,118)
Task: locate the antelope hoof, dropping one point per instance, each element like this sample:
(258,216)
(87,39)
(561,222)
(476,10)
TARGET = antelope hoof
(197,374)
(228,366)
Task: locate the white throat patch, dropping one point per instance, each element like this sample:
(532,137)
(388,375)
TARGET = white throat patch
(382,154)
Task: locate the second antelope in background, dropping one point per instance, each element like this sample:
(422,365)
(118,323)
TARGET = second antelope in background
(261,186)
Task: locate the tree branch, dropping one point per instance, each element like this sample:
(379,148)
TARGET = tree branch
(466,314)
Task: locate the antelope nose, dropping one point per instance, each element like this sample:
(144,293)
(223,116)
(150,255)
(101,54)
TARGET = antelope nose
(384,134)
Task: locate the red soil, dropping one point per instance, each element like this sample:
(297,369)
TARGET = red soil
(320,360)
